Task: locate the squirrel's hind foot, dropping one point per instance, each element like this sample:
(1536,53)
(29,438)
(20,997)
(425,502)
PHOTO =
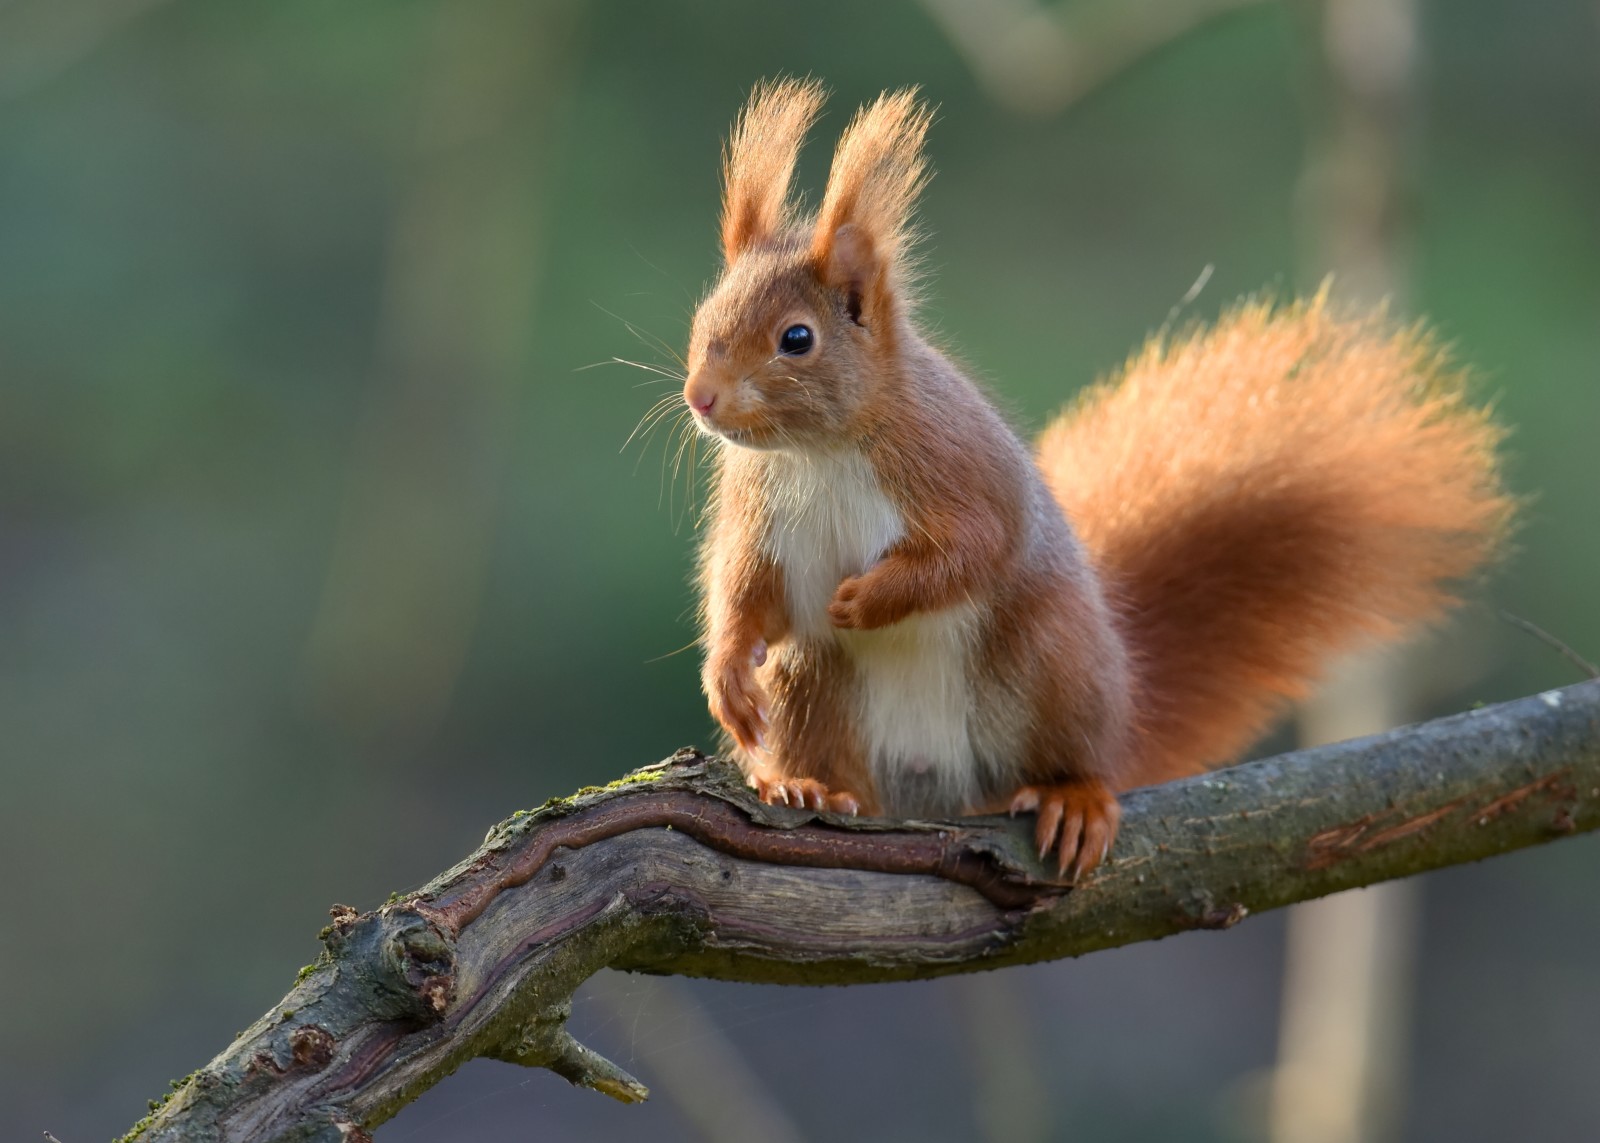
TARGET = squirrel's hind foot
(802,793)
(1076,819)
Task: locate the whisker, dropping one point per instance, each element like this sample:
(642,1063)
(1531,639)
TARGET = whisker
(806,391)
(644,445)
(671,374)
(692,481)
(677,457)
(649,435)
(651,416)
(687,459)
(647,367)
(682,425)
(661,486)
(649,339)
(655,426)
(662,658)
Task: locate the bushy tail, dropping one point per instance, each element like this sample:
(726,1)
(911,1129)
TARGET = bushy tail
(1265,494)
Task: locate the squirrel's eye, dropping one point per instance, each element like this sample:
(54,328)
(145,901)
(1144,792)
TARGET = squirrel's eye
(797,339)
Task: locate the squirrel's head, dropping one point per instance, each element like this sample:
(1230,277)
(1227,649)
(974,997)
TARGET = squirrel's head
(800,333)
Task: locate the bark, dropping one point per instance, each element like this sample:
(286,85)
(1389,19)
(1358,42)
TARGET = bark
(677,869)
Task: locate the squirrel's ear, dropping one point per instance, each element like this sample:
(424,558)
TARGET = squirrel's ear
(759,160)
(864,235)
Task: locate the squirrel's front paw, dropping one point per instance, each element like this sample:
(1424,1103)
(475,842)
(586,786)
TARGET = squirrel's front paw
(1077,819)
(737,700)
(858,607)
(801,793)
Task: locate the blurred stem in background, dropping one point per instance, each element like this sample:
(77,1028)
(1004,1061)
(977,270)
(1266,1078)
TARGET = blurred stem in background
(1349,959)
(693,1063)
(1038,60)
(407,571)
(1346,1005)
(42,38)
(1012,1101)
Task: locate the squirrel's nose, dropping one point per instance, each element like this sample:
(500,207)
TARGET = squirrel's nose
(700,396)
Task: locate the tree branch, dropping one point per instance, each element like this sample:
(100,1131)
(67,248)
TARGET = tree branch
(677,869)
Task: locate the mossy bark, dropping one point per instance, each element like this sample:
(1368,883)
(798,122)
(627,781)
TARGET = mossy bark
(678,869)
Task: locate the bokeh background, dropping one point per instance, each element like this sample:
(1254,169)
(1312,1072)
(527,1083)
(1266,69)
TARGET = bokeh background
(320,548)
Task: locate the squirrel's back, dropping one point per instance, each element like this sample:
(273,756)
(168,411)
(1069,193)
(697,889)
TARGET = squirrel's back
(1263,495)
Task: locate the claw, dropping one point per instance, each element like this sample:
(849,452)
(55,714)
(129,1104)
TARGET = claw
(842,803)
(1076,819)
(802,793)
(1049,826)
(1068,851)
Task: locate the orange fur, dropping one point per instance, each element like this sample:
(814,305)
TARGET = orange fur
(899,617)
(759,161)
(878,172)
(1265,495)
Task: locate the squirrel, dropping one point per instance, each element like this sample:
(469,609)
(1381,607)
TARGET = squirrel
(905,611)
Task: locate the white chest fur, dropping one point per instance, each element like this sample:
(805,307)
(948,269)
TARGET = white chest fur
(831,519)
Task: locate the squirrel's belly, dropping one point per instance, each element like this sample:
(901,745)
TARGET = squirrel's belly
(912,695)
(914,711)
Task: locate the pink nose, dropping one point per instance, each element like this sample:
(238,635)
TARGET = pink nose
(700,394)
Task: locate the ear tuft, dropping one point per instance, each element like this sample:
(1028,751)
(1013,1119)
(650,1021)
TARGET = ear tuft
(864,233)
(759,160)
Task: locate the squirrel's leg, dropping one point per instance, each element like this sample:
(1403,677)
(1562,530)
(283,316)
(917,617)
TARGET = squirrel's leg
(813,756)
(745,616)
(1079,735)
(735,697)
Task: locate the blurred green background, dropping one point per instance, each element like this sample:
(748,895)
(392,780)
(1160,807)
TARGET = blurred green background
(320,550)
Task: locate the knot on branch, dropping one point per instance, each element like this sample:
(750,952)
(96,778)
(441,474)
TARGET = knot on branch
(1200,908)
(420,963)
(399,955)
(311,1046)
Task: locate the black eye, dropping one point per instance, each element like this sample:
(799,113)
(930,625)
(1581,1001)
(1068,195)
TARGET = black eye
(797,339)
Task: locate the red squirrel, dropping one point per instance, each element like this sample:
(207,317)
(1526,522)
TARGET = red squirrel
(908,612)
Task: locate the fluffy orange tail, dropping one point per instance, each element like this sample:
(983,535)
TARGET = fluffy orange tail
(1265,494)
